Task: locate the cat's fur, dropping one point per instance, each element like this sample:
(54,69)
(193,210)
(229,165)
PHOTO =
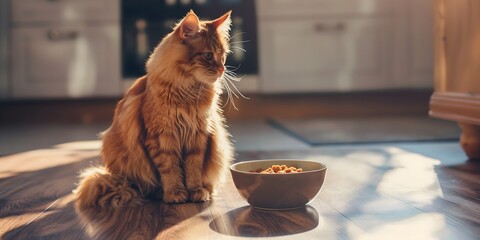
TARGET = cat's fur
(168,138)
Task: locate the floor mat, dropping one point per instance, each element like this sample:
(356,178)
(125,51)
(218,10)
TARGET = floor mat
(368,130)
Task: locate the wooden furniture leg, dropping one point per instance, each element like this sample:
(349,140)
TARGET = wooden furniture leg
(470,140)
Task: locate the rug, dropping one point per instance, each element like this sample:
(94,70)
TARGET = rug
(368,130)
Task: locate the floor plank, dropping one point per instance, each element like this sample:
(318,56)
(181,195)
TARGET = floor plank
(58,221)
(31,189)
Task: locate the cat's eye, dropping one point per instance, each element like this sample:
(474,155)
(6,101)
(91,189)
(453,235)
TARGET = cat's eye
(207,56)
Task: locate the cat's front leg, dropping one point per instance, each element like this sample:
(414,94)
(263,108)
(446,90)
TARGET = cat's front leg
(193,174)
(167,160)
(193,168)
(171,177)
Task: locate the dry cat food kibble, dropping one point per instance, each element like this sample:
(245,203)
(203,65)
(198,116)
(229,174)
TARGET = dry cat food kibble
(279,169)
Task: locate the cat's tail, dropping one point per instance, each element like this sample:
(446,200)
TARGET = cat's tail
(99,188)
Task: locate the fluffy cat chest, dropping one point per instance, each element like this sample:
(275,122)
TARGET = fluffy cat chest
(177,121)
(190,123)
(178,130)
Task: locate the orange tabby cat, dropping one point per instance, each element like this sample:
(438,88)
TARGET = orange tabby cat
(168,138)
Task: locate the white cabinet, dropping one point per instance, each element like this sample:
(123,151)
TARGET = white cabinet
(65,61)
(65,48)
(325,55)
(344,45)
(421,40)
(306,8)
(38,11)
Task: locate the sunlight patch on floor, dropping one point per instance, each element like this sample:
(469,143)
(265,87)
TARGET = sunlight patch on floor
(36,160)
(423,226)
(80,145)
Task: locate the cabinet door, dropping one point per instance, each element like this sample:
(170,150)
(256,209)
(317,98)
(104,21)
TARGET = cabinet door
(284,8)
(421,62)
(325,55)
(28,11)
(65,61)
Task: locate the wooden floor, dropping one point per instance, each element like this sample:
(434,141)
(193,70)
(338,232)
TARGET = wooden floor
(371,192)
(375,191)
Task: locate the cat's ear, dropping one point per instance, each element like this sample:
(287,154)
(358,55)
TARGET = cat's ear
(222,24)
(189,25)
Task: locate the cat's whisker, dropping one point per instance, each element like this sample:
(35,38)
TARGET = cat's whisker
(231,72)
(233,79)
(233,68)
(236,89)
(238,48)
(232,76)
(234,93)
(230,94)
(238,34)
(230,87)
(243,41)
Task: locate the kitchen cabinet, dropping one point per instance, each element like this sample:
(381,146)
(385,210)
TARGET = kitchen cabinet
(326,55)
(344,45)
(421,39)
(65,49)
(306,8)
(47,11)
(60,61)
(71,48)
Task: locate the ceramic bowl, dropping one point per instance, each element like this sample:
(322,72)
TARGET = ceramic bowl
(278,191)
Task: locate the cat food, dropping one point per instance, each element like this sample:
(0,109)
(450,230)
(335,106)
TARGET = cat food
(278,169)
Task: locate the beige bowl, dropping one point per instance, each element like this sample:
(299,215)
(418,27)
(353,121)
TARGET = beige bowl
(278,191)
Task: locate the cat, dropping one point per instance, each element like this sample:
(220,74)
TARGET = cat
(168,139)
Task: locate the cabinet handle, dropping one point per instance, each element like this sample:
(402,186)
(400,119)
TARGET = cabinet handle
(337,27)
(56,35)
(320,27)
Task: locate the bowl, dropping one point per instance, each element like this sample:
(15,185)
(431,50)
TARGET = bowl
(278,191)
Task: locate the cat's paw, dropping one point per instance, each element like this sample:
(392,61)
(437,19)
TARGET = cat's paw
(177,195)
(199,195)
